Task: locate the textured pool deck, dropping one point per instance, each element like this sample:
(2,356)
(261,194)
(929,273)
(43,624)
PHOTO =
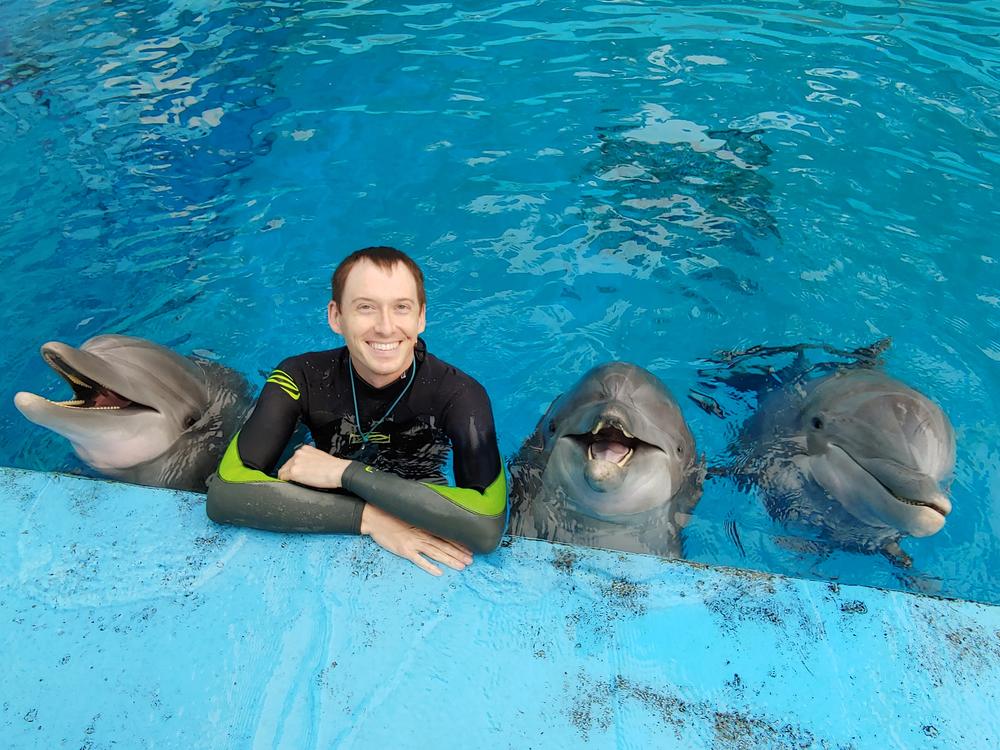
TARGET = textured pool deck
(129,620)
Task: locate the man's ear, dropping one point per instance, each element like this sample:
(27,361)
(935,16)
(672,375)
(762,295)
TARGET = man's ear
(422,324)
(333,316)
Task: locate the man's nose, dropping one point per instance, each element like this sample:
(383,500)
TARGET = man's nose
(384,322)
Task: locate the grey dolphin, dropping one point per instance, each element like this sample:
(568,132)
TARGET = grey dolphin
(856,455)
(612,464)
(140,412)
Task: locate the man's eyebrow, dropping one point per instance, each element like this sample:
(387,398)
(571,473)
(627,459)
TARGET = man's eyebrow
(356,300)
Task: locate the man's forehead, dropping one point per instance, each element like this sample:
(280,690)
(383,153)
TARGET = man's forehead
(367,279)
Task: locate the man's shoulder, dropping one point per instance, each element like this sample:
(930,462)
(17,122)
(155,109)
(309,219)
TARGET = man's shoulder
(450,380)
(310,361)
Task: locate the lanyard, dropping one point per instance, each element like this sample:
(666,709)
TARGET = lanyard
(354,395)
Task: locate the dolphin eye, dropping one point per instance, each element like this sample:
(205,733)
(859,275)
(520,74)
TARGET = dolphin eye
(817,423)
(552,427)
(680,450)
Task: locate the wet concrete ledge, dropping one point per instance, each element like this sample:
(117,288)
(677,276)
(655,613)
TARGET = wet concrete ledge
(128,619)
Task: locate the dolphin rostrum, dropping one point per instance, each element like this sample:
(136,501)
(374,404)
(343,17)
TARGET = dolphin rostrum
(140,412)
(612,464)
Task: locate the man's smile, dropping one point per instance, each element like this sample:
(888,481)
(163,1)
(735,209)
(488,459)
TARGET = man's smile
(384,346)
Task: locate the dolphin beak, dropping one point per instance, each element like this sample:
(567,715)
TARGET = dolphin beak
(86,374)
(907,485)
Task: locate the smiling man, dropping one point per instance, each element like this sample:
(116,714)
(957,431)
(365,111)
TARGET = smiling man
(384,414)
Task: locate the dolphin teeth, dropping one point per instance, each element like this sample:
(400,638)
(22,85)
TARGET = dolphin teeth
(77,404)
(597,427)
(626,433)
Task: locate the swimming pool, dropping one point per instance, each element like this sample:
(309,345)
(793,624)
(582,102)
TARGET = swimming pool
(611,180)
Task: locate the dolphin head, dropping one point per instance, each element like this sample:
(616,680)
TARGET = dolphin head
(617,442)
(132,400)
(881,449)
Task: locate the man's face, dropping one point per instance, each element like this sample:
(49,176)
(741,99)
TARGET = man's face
(380,319)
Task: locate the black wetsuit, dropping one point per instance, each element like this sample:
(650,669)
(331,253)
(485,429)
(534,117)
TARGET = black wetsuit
(398,465)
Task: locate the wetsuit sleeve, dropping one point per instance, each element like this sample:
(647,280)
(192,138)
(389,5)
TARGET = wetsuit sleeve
(474,512)
(275,416)
(242,493)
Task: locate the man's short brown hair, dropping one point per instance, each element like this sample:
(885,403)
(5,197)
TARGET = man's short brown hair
(383,257)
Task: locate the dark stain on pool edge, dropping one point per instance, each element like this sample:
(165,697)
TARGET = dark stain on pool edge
(564,560)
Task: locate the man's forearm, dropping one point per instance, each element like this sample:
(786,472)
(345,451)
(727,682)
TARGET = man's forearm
(241,495)
(475,519)
(281,506)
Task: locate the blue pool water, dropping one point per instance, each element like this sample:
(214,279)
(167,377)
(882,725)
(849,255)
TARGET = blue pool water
(590,181)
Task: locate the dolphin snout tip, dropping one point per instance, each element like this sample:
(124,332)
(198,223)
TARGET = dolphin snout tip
(929,525)
(942,503)
(932,516)
(602,476)
(29,404)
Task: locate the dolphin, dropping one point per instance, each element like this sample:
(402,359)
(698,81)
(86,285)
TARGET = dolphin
(856,455)
(612,464)
(140,412)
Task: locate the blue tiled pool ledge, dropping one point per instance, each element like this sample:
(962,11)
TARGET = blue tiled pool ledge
(129,620)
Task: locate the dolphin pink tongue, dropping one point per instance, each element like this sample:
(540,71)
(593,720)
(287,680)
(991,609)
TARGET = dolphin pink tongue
(109,398)
(609,450)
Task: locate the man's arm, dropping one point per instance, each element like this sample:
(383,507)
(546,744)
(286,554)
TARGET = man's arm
(474,513)
(243,496)
(242,493)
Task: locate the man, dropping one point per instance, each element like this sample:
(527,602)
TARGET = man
(383,414)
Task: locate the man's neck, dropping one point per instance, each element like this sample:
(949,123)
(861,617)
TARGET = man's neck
(382,381)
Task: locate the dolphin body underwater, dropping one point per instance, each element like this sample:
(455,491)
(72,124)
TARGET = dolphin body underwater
(612,464)
(854,457)
(140,412)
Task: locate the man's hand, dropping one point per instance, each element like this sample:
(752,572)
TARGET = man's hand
(314,468)
(406,540)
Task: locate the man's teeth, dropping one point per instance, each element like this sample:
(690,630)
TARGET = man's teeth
(384,347)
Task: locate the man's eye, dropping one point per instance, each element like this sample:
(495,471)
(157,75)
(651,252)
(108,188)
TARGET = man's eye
(365,308)
(403,308)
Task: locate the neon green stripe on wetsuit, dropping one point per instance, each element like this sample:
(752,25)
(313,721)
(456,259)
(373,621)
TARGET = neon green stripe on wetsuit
(399,468)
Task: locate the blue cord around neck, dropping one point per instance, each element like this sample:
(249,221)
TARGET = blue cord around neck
(354,395)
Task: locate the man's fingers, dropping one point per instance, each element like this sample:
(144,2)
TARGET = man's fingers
(459,551)
(420,562)
(436,549)
(454,548)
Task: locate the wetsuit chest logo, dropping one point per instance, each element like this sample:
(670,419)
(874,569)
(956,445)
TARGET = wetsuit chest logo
(371,437)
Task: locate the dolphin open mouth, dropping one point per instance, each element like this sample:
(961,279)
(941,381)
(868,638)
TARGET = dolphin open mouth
(608,440)
(88,393)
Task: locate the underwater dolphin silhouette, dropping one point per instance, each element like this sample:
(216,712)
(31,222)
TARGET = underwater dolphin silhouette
(612,464)
(140,412)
